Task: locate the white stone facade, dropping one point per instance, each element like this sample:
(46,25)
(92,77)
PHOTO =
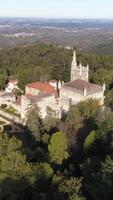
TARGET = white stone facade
(30,90)
(78,72)
(43,101)
(11,86)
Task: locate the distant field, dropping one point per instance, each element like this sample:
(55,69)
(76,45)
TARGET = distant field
(94,36)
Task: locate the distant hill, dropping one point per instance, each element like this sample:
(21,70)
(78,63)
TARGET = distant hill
(92,36)
(103,49)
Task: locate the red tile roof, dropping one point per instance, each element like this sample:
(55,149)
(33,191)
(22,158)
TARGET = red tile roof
(80,85)
(44,87)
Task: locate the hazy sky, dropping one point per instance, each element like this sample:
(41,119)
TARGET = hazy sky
(57,8)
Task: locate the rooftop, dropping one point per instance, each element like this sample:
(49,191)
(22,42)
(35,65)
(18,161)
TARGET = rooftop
(39,97)
(79,86)
(42,86)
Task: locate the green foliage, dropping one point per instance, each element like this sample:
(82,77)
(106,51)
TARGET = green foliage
(58,148)
(17,92)
(46,138)
(2,122)
(89,108)
(15,171)
(102,115)
(90,140)
(43,61)
(109,99)
(107,125)
(51,120)
(3,106)
(103,76)
(74,118)
(34,122)
(14,165)
(8,145)
(12,111)
(72,124)
(44,170)
(72,188)
(3,79)
(49,168)
(101,183)
(57,179)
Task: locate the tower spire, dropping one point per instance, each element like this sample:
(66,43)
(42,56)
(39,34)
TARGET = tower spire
(74,57)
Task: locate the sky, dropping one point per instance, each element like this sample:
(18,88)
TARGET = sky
(57,8)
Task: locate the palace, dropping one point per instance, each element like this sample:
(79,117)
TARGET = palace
(79,88)
(54,94)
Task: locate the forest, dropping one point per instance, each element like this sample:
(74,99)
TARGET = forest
(61,159)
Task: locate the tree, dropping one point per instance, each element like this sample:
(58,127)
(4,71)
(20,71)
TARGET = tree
(44,170)
(106,126)
(89,108)
(8,145)
(14,165)
(109,99)
(51,120)
(42,187)
(16,175)
(103,76)
(3,79)
(101,183)
(34,122)
(89,140)
(58,148)
(72,189)
(17,92)
(46,138)
(73,123)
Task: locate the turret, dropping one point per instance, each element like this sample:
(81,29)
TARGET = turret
(85,91)
(78,72)
(74,57)
(59,85)
(80,66)
(104,86)
(87,72)
(73,65)
(87,67)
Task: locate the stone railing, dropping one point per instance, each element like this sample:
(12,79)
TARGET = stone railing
(11,117)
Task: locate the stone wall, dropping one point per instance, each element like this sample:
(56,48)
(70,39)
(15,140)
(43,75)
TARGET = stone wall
(32,91)
(79,74)
(48,102)
(25,103)
(11,117)
(68,97)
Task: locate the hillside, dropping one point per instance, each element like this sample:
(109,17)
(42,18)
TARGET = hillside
(87,35)
(44,62)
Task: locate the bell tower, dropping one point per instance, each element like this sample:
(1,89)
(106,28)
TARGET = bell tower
(78,71)
(73,65)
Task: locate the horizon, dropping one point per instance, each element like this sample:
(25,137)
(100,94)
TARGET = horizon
(53,18)
(57,9)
